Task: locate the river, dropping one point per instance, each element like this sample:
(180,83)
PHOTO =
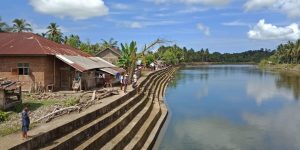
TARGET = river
(232,107)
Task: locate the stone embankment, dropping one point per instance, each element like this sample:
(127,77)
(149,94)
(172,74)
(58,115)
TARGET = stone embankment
(130,122)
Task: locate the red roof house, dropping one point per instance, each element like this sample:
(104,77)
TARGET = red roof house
(40,63)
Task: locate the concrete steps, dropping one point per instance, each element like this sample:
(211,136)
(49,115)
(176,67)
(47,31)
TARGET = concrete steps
(151,137)
(130,122)
(76,137)
(125,136)
(145,131)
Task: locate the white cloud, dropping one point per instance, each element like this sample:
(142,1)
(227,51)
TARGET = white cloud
(132,25)
(289,7)
(235,23)
(143,24)
(257,4)
(121,6)
(135,25)
(265,31)
(206,2)
(76,9)
(193,2)
(161,23)
(191,10)
(203,28)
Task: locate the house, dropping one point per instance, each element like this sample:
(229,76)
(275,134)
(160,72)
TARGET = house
(111,55)
(39,63)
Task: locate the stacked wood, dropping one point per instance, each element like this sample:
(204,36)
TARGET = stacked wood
(10,93)
(95,97)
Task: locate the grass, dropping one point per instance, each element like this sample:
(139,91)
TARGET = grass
(7,126)
(71,101)
(3,116)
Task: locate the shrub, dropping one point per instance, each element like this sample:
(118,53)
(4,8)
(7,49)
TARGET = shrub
(71,102)
(3,116)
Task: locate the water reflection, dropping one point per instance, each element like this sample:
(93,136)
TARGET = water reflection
(234,107)
(289,81)
(266,91)
(281,129)
(214,134)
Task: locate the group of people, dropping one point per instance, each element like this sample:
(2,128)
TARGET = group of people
(124,81)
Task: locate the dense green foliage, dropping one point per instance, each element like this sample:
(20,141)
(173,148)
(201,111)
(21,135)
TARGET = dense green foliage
(20,25)
(288,53)
(3,116)
(3,26)
(128,55)
(175,55)
(111,43)
(54,33)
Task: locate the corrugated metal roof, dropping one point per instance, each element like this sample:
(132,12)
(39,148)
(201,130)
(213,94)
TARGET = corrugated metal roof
(32,44)
(88,63)
(102,61)
(114,50)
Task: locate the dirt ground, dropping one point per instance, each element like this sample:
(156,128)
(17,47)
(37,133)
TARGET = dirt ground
(43,104)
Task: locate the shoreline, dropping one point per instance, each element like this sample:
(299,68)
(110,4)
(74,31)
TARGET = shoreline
(283,68)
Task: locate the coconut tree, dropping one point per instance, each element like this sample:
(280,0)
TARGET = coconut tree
(111,43)
(3,26)
(54,33)
(20,25)
(128,57)
(73,40)
(297,51)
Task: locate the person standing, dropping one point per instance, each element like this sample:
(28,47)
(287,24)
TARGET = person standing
(125,82)
(25,122)
(134,80)
(121,81)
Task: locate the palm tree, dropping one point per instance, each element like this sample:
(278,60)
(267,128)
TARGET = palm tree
(297,51)
(20,25)
(128,52)
(54,33)
(128,57)
(72,40)
(3,26)
(111,43)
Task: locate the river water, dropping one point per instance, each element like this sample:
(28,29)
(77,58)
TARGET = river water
(232,107)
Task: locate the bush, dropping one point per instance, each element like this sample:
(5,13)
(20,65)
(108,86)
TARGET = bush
(3,116)
(71,102)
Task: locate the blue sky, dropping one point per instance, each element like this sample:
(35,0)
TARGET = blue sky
(220,25)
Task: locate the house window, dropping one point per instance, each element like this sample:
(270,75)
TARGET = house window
(23,68)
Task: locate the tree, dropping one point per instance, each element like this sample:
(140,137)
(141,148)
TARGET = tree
(128,57)
(128,52)
(3,26)
(20,25)
(73,40)
(86,47)
(54,33)
(170,57)
(147,48)
(111,43)
(149,58)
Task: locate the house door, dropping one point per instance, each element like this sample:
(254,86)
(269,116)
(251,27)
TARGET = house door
(65,78)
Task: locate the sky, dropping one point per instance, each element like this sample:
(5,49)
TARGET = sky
(220,25)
